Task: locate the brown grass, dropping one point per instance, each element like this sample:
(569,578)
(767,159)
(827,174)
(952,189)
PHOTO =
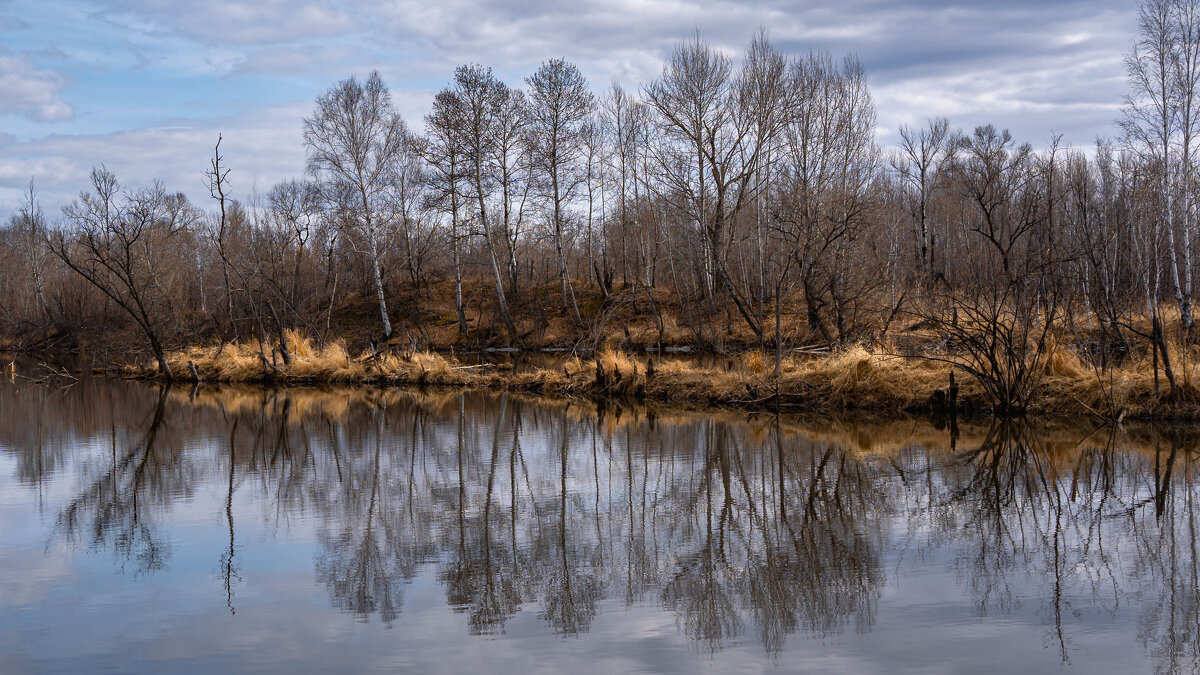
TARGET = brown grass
(755,362)
(850,378)
(244,362)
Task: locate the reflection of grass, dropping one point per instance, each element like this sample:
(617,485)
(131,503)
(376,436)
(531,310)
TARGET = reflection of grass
(1061,441)
(852,378)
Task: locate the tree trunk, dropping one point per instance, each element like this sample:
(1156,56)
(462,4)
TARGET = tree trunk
(378,279)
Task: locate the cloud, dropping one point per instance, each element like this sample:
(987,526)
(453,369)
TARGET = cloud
(1036,73)
(10,22)
(230,21)
(32,92)
(292,60)
(1034,66)
(260,148)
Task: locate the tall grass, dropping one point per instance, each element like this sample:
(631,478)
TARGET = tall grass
(258,361)
(852,377)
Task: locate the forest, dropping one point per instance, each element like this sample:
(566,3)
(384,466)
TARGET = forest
(739,205)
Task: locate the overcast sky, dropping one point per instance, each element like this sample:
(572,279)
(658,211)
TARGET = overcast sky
(145,86)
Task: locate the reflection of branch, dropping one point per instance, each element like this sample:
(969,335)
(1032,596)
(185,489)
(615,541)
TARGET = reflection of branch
(228,569)
(732,528)
(571,591)
(112,502)
(361,579)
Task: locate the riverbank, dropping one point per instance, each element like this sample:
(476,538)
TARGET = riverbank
(854,378)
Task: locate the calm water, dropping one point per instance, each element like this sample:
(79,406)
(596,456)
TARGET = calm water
(147,530)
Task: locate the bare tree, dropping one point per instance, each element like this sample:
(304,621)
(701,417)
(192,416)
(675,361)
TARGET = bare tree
(30,222)
(921,153)
(354,139)
(560,103)
(481,98)
(721,126)
(513,166)
(995,175)
(1160,122)
(445,153)
(829,165)
(124,245)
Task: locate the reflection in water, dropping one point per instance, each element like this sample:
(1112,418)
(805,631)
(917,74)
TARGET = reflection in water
(739,528)
(114,510)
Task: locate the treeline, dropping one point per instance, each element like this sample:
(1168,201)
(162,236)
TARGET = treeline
(721,204)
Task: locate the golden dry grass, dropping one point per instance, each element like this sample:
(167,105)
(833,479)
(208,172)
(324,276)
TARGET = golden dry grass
(755,362)
(850,378)
(255,362)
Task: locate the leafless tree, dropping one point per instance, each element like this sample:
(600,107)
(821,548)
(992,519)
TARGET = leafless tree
(124,245)
(481,98)
(30,223)
(354,140)
(920,156)
(719,126)
(444,152)
(559,105)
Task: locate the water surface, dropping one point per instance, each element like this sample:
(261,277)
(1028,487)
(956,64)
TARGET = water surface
(151,530)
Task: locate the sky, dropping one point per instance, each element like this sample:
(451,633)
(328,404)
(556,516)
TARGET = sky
(144,87)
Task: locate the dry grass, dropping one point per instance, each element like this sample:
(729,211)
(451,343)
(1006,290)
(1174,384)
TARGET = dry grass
(858,378)
(1064,362)
(258,362)
(850,378)
(755,362)
(646,332)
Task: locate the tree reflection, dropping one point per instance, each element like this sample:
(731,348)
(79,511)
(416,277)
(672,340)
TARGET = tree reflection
(229,571)
(792,544)
(114,510)
(571,588)
(1080,528)
(733,525)
(480,577)
(1170,629)
(369,554)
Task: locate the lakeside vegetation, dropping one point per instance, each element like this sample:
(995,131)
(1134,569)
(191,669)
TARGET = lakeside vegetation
(743,207)
(855,378)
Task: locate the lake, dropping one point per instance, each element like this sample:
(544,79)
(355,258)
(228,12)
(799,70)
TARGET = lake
(149,530)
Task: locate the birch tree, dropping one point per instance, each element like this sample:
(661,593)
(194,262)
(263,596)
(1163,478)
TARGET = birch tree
(718,126)
(560,104)
(354,139)
(445,153)
(920,155)
(480,98)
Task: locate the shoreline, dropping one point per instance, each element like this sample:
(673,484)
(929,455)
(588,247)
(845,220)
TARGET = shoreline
(851,379)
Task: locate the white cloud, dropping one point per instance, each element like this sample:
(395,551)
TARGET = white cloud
(32,92)
(293,59)
(260,148)
(230,21)
(1035,66)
